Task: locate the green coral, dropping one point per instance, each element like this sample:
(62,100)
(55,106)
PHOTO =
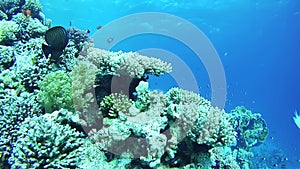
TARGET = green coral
(56,91)
(83,80)
(16,105)
(46,144)
(8,30)
(114,104)
(7,57)
(251,127)
(29,27)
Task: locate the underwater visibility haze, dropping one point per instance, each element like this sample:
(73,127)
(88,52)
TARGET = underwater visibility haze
(150,84)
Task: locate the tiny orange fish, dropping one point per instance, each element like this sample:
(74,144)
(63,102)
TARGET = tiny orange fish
(99,27)
(27,12)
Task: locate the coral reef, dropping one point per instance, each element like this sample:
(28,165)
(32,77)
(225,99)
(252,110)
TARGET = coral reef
(43,143)
(94,108)
(7,57)
(56,91)
(16,105)
(114,104)
(8,31)
(251,128)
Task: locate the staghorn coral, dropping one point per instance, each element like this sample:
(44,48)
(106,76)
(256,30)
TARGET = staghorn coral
(106,62)
(217,130)
(16,105)
(46,144)
(180,96)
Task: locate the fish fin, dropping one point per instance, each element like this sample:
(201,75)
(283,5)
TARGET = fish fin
(55,55)
(46,50)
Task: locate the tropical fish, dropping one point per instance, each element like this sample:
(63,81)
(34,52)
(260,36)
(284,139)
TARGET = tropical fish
(110,40)
(27,12)
(99,27)
(57,39)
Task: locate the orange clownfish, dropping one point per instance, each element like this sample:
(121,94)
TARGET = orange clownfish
(27,12)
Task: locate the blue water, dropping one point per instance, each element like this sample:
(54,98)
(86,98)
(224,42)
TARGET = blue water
(258,43)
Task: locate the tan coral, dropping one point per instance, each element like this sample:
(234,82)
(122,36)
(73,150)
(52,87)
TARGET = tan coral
(217,130)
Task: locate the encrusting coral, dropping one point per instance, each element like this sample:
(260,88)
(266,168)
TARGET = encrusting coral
(251,127)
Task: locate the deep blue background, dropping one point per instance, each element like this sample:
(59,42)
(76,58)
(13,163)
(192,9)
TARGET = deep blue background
(258,42)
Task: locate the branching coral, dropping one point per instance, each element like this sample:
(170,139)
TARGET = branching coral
(11,7)
(28,27)
(217,130)
(136,65)
(46,144)
(222,157)
(16,105)
(114,104)
(83,80)
(8,31)
(106,62)
(34,6)
(7,57)
(126,63)
(79,37)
